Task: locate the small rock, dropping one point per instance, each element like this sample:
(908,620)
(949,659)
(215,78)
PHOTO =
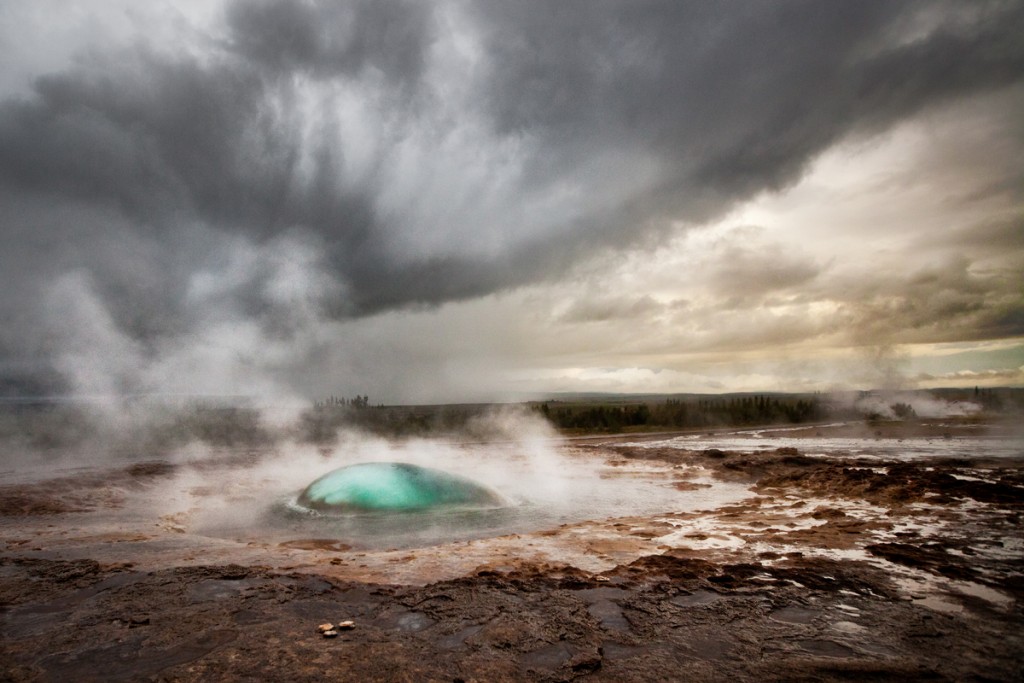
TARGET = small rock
(346,625)
(323,628)
(602,579)
(330,633)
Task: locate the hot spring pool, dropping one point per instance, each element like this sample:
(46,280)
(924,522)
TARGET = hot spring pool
(465,494)
(394,487)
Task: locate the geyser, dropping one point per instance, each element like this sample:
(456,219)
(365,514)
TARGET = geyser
(395,486)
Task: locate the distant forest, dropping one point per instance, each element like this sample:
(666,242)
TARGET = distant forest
(685,414)
(741,410)
(609,414)
(53,425)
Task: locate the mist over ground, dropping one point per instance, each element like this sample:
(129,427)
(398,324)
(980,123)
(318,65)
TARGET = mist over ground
(39,436)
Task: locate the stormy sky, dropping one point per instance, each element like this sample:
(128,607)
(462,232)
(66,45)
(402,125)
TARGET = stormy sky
(465,200)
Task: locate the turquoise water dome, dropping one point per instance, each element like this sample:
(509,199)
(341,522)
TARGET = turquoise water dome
(395,486)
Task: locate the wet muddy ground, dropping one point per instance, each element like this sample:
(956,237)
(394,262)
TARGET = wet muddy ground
(819,568)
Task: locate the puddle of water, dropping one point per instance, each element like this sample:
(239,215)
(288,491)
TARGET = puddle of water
(971,447)
(848,627)
(131,660)
(935,594)
(609,615)
(251,617)
(794,615)
(458,639)
(615,651)
(937,603)
(696,599)
(593,595)
(548,657)
(984,592)
(36,618)
(705,533)
(711,649)
(826,648)
(601,605)
(410,622)
(218,589)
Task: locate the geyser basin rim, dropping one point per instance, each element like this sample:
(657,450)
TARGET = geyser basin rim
(394,487)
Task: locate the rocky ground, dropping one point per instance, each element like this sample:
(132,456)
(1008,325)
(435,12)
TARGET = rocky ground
(831,569)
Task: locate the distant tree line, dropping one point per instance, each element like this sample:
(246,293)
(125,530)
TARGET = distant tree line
(321,423)
(990,400)
(335,402)
(903,411)
(679,413)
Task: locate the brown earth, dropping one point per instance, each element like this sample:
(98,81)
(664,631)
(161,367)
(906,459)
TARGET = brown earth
(833,570)
(659,618)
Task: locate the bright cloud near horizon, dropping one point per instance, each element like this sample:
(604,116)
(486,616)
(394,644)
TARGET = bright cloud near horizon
(473,200)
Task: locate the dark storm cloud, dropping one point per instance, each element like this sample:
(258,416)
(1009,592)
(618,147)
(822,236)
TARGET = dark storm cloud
(330,39)
(143,169)
(946,303)
(1002,234)
(735,98)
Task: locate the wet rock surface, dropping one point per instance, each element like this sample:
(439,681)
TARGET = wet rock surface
(78,493)
(830,569)
(661,617)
